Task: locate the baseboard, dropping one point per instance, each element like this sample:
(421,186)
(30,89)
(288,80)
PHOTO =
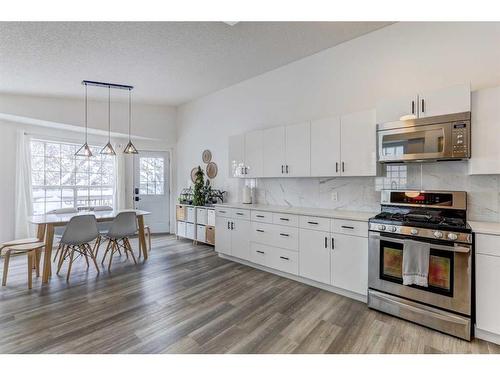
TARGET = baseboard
(300,279)
(487,336)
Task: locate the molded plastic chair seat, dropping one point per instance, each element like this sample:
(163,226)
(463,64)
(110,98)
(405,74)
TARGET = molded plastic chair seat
(122,227)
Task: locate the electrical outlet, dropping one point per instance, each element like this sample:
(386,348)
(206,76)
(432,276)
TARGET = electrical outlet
(335,196)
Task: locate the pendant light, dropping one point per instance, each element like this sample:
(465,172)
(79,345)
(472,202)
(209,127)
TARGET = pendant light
(108,149)
(85,149)
(130,148)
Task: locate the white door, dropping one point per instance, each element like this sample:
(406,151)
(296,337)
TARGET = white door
(454,99)
(394,109)
(240,239)
(314,255)
(151,188)
(325,147)
(298,150)
(358,144)
(253,154)
(273,141)
(236,155)
(349,266)
(223,235)
(487,301)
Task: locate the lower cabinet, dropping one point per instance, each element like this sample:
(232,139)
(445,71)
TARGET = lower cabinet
(275,257)
(349,263)
(232,237)
(314,255)
(223,235)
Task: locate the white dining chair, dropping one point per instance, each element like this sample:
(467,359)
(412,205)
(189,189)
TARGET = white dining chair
(102,227)
(80,231)
(58,231)
(122,227)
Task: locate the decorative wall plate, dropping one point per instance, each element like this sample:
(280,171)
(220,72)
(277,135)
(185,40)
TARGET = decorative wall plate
(193,174)
(206,156)
(212,170)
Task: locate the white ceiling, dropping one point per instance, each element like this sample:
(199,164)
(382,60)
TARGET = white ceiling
(167,62)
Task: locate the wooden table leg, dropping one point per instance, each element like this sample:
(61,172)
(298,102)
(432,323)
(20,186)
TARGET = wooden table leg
(49,240)
(41,232)
(142,237)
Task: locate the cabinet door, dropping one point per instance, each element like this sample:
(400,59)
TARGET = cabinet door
(487,301)
(253,154)
(223,235)
(349,263)
(240,239)
(485,121)
(394,109)
(325,147)
(298,150)
(236,155)
(314,255)
(358,144)
(454,99)
(273,141)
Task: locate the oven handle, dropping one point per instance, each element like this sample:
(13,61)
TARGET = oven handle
(456,248)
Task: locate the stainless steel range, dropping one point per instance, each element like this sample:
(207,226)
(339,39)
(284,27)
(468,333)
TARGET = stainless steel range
(438,218)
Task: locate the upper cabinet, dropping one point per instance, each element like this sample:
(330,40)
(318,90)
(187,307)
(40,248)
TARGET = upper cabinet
(358,144)
(453,99)
(236,155)
(325,147)
(298,150)
(253,154)
(485,124)
(273,151)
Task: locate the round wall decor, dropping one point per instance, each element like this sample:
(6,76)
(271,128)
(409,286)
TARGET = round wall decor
(211,170)
(206,156)
(193,174)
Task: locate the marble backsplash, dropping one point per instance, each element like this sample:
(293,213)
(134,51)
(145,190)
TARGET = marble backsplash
(363,193)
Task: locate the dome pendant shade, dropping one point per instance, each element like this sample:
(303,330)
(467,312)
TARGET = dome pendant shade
(84,151)
(108,150)
(130,148)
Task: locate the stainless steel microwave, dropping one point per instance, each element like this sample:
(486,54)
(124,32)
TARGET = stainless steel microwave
(435,138)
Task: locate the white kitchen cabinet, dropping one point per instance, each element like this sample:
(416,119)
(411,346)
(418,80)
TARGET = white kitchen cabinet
(298,150)
(393,109)
(253,154)
(240,239)
(236,155)
(453,99)
(223,235)
(487,301)
(485,123)
(191,231)
(325,147)
(314,255)
(358,144)
(273,151)
(349,263)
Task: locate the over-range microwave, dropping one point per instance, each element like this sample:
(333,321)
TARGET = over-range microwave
(437,138)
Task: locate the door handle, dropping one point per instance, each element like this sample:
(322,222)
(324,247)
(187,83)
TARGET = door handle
(261,216)
(284,219)
(232,225)
(312,222)
(136,191)
(336,167)
(285,258)
(326,242)
(259,230)
(240,213)
(413,107)
(260,252)
(347,227)
(287,168)
(423,105)
(284,235)
(333,243)
(342,166)
(228,225)
(282,169)
(137,199)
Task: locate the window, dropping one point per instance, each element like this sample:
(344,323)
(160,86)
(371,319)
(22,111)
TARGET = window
(61,180)
(151,181)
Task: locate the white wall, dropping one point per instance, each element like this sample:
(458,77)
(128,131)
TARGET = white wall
(400,59)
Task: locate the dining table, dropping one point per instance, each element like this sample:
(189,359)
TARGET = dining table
(47,222)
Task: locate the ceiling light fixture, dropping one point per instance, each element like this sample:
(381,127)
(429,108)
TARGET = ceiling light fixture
(130,148)
(108,149)
(85,149)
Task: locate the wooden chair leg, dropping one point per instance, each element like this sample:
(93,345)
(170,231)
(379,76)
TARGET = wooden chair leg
(70,263)
(6,260)
(106,252)
(92,256)
(38,255)
(83,249)
(129,248)
(111,255)
(30,269)
(149,238)
(57,251)
(64,254)
(97,245)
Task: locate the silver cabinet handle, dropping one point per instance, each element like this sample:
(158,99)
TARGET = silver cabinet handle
(285,258)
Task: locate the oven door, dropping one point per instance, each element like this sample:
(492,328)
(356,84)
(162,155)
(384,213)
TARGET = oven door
(450,272)
(426,142)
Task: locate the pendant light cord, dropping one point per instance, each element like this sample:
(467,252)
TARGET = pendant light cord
(86,113)
(129,114)
(109,114)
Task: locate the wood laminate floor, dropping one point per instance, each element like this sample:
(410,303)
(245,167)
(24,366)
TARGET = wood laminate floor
(185,299)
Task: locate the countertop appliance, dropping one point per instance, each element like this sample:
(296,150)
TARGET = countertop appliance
(436,138)
(440,219)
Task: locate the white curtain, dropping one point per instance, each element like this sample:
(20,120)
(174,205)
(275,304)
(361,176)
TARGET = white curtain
(23,195)
(119,202)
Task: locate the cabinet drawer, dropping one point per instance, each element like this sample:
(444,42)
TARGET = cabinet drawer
(262,233)
(262,216)
(354,228)
(190,214)
(260,253)
(275,235)
(286,219)
(284,260)
(488,244)
(223,212)
(190,231)
(240,214)
(211,217)
(181,228)
(201,216)
(200,233)
(315,223)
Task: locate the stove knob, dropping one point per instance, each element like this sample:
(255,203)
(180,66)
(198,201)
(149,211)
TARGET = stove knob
(438,234)
(452,236)
(393,229)
(381,227)
(414,231)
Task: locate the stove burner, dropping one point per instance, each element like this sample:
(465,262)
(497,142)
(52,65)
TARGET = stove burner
(422,218)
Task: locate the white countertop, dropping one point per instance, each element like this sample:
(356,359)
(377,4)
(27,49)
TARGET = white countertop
(485,227)
(308,211)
